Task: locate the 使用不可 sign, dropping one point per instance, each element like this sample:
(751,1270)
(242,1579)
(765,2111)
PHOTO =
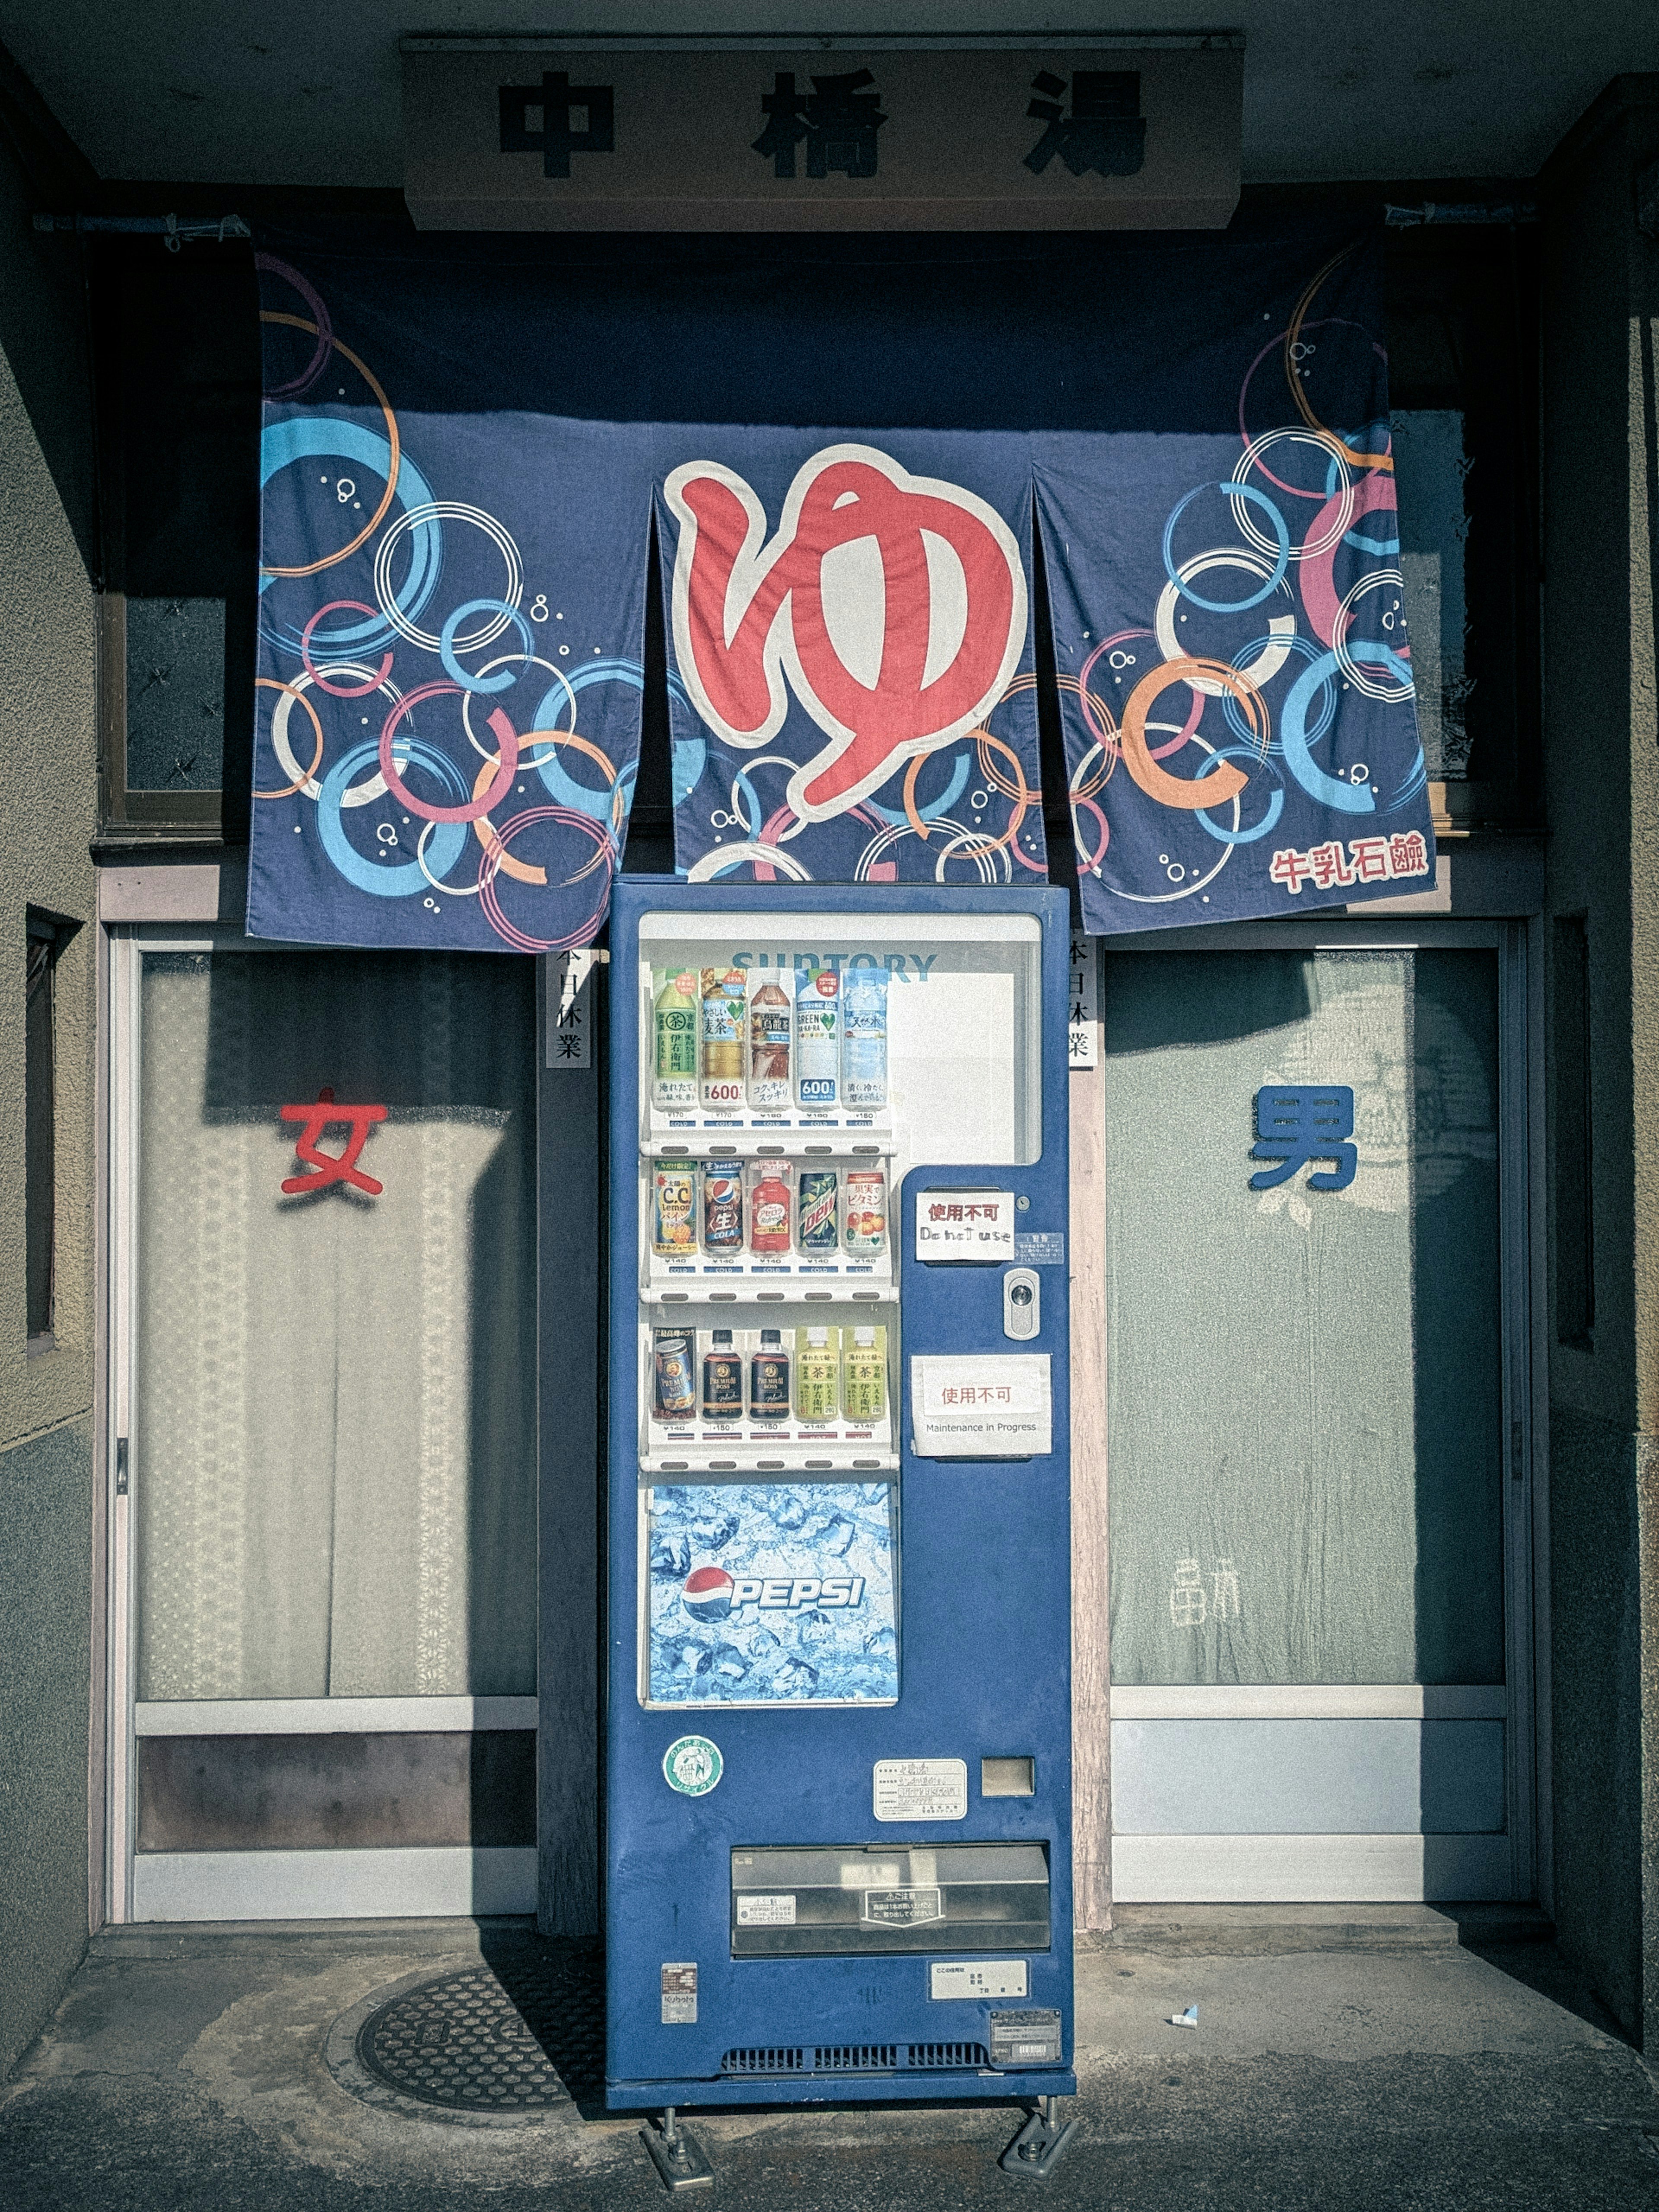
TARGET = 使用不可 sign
(980,1405)
(964,1225)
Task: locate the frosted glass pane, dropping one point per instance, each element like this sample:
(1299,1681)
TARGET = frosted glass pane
(335,1441)
(1304,1457)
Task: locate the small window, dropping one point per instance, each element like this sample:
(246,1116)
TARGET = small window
(40,1116)
(177,337)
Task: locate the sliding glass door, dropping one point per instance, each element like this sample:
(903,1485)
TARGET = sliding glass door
(1317,1381)
(324,1412)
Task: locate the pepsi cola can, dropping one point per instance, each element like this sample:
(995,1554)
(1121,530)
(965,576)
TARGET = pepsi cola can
(722,1206)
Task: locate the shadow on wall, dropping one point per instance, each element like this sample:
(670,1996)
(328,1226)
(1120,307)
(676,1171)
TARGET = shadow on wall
(44,338)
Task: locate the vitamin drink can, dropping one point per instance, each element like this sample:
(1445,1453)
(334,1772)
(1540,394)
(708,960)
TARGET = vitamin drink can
(771,1020)
(722,1206)
(722,1380)
(863,1040)
(674,1351)
(817,1040)
(769,1392)
(723,1013)
(817,1225)
(674,1041)
(673,1225)
(865,1233)
(769,1208)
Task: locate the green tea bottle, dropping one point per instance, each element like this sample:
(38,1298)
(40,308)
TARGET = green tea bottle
(863,1380)
(674,1042)
(817,1377)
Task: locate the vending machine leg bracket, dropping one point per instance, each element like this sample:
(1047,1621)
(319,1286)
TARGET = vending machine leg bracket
(678,2155)
(1037,2150)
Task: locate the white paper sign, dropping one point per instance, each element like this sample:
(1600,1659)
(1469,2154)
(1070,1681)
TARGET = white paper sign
(980,1405)
(570,1008)
(756,1910)
(964,1225)
(920,1790)
(1082,997)
(977,1977)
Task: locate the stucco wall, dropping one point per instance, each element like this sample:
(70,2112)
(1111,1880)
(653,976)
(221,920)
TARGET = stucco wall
(48,798)
(1601,503)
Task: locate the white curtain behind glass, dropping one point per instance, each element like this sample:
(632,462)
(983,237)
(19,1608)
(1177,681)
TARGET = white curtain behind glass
(1304,1386)
(335,1443)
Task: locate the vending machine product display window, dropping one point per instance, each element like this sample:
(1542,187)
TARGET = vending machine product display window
(838,1134)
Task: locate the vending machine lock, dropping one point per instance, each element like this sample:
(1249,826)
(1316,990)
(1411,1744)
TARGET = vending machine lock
(1022,1303)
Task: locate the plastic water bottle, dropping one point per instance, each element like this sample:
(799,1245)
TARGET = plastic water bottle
(863,1040)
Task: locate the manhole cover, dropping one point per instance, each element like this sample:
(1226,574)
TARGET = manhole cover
(516,2037)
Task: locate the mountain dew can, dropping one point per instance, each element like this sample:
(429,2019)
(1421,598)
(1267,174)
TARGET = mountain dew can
(817,1220)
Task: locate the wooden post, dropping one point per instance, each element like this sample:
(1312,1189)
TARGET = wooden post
(1091,1809)
(571,1210)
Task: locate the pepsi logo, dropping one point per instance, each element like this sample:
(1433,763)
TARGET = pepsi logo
(707,1594)
(710,1594)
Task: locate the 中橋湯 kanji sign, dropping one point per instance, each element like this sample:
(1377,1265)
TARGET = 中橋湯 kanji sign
(659,133)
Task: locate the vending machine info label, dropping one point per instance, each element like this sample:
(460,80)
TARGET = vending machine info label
(755,1910)
(920,1790)
(977,1977)
(980,1405)
(901,1908)
(679,1993)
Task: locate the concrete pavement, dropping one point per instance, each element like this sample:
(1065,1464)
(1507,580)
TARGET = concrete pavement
(1367,2058)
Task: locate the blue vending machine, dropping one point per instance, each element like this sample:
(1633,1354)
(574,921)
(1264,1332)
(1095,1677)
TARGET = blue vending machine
(838,1821)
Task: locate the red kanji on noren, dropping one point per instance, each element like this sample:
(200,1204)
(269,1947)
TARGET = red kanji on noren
(331,1169)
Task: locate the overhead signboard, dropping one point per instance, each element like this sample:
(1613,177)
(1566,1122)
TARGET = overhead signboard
(814,134)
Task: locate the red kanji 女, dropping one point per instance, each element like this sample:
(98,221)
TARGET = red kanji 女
(331,1168)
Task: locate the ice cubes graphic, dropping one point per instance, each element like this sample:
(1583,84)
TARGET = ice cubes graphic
(782,1533)
(670,1554)
(830,1534)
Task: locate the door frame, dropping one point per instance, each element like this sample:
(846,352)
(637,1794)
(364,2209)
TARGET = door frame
(443,1880)
(1524,1694)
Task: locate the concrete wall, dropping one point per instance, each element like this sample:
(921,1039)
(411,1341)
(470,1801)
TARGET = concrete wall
(48,799)
(1601,506)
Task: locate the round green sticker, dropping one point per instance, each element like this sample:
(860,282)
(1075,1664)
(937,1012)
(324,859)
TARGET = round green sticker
(692,1765)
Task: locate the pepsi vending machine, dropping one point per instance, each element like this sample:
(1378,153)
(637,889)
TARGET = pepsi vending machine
(839,1723)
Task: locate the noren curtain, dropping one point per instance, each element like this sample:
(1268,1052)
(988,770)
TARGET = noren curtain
(335,1431)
